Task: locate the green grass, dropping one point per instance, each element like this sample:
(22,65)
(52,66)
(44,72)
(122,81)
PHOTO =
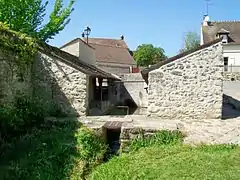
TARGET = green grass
(173,162)
(160,138)
(67,150)
(54,151)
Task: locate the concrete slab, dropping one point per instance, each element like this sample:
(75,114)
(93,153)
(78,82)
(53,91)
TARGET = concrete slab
(208,131)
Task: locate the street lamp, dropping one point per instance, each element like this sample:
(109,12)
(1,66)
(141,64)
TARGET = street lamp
(86,32)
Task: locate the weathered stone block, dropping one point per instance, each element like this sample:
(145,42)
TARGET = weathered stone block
(193,91)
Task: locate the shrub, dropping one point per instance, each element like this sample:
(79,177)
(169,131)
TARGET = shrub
(91,150)
(53,109)
(90,146)
(55,150)
(158,139)
(19,117)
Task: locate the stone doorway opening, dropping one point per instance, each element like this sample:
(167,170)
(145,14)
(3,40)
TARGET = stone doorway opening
(113,132)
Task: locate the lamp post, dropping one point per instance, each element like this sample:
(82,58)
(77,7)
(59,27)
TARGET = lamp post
(86,32)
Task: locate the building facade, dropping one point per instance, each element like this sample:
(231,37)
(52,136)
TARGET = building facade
(111,55)
(229,31)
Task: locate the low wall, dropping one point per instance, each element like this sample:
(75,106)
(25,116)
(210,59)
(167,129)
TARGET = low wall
(59,86)
(10,83)
(130,133)
(231,76)
(134,85)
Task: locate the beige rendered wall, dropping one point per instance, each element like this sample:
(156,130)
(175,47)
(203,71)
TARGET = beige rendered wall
(86,53)
(72,49)
(81,50)
(233,54)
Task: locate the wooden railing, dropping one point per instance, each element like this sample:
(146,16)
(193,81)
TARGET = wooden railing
(231,68)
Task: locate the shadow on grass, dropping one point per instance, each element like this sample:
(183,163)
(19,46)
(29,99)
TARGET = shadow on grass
(53,150)
(48,152)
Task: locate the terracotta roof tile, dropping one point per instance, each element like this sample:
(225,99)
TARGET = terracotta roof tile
(108,42)
(111,51)
(110,54)
(210,31)
(75,62)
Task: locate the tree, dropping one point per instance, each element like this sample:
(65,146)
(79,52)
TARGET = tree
(147,54)
(191,41)
(27,16)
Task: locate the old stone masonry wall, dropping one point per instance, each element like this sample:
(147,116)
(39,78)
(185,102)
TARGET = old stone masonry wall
(61,85)
(190,87)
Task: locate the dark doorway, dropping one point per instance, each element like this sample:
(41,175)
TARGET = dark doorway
(113,131)
(113,140)
(225,63)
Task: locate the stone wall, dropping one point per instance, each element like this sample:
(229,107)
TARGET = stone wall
(189,87)
(133,88)
(60,84)
(10,82)
(231,76)
(129,92)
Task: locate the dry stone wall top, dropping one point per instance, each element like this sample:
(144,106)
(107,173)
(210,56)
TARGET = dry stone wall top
(190,87)
(231,76)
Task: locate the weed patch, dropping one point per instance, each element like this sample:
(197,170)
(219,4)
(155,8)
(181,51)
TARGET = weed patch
(59,150)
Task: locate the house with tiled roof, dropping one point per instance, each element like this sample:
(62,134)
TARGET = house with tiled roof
(80,49)
(111,55)
(229,31)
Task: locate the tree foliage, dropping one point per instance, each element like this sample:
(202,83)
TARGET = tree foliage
(191,41)
(27,16)
(147,54)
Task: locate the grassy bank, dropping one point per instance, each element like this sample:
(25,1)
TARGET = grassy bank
(164,157)
(53,151)
(67,150)
(173,162)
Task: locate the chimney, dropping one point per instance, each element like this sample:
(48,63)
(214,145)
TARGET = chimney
(122,37)
(206,20)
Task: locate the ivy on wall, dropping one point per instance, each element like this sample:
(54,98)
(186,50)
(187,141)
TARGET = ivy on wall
(18,50)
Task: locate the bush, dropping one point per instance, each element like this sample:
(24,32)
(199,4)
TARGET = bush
(158,139)
(55,150)
(19,117)
(90,146)
(53,109)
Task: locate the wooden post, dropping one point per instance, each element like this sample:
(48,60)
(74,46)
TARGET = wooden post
(100,80)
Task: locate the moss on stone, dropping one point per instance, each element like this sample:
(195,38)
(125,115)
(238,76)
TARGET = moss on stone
(18,49)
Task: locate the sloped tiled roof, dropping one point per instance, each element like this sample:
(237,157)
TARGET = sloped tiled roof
(75,41)
(210,32)
(108,42)
(75,62)
(63,56)
(111,51)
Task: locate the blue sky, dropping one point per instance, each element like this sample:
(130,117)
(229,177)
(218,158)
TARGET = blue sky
(159,22)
